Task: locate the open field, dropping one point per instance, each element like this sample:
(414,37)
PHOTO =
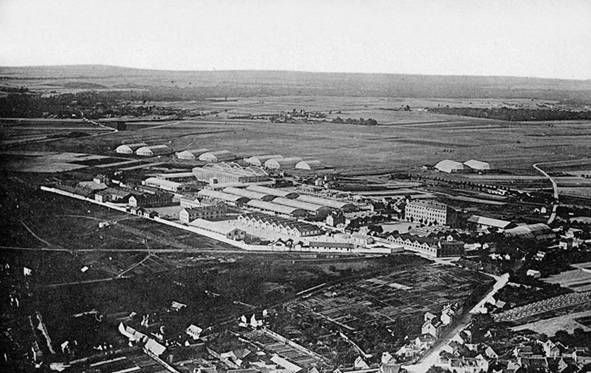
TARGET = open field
(578,279)
(352,147)
(550,326)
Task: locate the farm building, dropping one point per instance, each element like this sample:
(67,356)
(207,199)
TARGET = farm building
(282,163)
(224,173)
(316,209)
(273,191)
(449,166)
(221,196)
(309,165)
(332,203)
(191,154)
(259,160)
(276,208)
(154,150)
(217,156)
(129,148)
(249,194)
(477,165)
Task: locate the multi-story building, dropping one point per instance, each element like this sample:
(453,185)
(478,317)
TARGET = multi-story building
(207,212)
(279,225)
(428,212)
(430,246)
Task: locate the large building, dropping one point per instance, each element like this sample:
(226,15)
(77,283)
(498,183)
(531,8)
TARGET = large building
(217,156)
(478,223)
(229,173)
(152,200)
(208,212)
(154,150)
(129,148)
(537,231)
(249,194)
(282,163)
(427,212)
(327,202)
(477,166)
(449,166)
(171,186)
(273,191)
(311,207)
(433,247)
(277,208)
(221,196)
(259,160)
(279,225)
(191,154)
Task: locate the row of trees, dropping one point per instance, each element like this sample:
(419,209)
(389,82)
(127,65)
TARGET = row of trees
(511,114)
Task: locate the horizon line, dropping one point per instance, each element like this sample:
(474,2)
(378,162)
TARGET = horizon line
(293,71)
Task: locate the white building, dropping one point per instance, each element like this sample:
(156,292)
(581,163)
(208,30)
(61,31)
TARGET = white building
(154,150)
(259,160)
(217,156)
(477,165)
(191,154)
(282,163)
(449,166)
(129,148)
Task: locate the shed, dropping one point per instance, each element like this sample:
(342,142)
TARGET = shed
(129,148)
(250,194)
(191,154)
(217,156)
(309,165)
(259,160)
(300,204)
(214,194)
(154,150)
(282,163)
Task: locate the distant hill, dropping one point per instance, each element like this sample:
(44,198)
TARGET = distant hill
(259,83)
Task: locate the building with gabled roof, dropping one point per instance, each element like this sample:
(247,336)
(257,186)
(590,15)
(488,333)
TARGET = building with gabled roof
(191,154)
(278,192)
(249,193)
(221,196)
(259,160)
(153,150)
(449,166)
(129,148)
(217,156)
(282,163)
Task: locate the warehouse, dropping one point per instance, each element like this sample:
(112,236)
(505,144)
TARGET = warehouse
(191,154)
(449,166)
(282,163)
(221,196)
(309,165)
(249,194)
(478,166)
(273,191)
(316,209)
(259,160)
(338,205)
(478,223)
(217,156)
(154,150)
(129,148)
(276,208)
(227,173)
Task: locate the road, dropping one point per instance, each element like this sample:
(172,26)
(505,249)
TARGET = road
(554,186)
(432,357)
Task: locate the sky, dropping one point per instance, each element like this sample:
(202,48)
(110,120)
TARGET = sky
(537,38)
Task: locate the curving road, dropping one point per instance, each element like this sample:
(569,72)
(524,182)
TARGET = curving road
(554,187)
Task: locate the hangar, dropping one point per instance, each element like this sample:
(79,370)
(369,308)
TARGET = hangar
(273,191)
(449,166)
(282,163)
(154,150)
(217,156)
(477,165)
(259,160)
(250,194)
(309,165)
(191,154)
(129,148)
(277,208)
